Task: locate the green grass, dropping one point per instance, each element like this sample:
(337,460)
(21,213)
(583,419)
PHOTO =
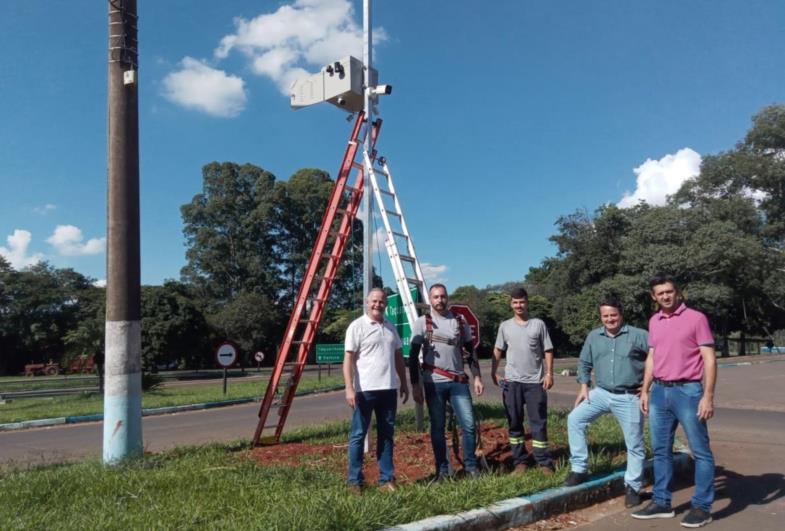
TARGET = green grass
(16,383)
(20,409)
(218,487)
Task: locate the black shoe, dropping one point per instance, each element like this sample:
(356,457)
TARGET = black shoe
(631,497)
(575,478)
(696,518)
(653,511)
(472,474)
(440,478)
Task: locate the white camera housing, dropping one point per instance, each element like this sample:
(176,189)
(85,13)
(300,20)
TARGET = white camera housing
(339,83)
(381,90)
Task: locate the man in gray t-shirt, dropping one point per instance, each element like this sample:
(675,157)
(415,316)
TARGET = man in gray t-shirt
(527,377)
(446,344)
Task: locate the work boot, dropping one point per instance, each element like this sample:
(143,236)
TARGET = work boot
(653,510)
(631,497)
(575,478)
(547,470)
(696,518)
(520,469)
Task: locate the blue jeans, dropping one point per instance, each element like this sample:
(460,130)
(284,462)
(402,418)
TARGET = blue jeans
(626,409)
(384,404)
(436,395)
(668,407)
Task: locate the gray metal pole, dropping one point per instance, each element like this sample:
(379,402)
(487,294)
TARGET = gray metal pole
(123,383)
(368,192)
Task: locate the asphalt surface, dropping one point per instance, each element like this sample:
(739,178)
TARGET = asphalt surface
(748,439)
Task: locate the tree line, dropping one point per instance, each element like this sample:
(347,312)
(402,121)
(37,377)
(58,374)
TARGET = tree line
(249,235)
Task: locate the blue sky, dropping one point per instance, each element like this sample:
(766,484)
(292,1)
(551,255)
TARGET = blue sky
(504,115)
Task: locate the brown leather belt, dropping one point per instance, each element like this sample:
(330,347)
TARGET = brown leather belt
(460,378)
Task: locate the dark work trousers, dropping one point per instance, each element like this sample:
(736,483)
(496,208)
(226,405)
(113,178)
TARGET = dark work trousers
(516,395)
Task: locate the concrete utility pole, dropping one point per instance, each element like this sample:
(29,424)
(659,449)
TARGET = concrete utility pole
(123,385)
(367,189)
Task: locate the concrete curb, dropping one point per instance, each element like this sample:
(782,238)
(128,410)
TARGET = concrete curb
(97,417)
(747,363)
(525,510)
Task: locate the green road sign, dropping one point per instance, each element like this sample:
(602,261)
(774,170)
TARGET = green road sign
(397,317)
(329,353)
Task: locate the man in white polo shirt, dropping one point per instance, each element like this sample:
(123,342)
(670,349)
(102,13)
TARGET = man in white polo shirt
(374,370)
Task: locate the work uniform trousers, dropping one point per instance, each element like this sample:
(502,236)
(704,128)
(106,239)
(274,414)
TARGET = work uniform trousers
(534,398)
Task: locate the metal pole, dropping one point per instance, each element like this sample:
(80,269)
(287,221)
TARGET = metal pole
(367,191)
(122,436)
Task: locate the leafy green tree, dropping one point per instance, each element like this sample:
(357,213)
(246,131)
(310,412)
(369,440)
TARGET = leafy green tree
(229,233)
(174,329)
(87,335)
(38,305)
(251,321)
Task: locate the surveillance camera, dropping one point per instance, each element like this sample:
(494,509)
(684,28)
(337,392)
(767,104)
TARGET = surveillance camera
(382,90)
(341,102)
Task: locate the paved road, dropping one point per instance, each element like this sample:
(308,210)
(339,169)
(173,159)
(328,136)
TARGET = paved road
(748,439)
(68,442)
(739,387)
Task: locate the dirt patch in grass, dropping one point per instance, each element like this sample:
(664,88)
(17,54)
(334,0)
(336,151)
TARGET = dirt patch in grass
(413,455)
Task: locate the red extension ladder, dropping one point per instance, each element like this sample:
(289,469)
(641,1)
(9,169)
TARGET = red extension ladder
(315,289)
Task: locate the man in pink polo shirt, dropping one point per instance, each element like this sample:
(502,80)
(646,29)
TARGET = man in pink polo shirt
(681,370)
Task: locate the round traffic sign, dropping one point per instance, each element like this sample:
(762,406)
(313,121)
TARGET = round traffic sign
(226,355)
(259,356)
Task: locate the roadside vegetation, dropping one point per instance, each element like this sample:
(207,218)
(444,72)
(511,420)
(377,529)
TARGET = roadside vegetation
(221,487)
(20,409)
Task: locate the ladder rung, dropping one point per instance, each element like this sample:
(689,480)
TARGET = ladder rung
(268,426)
(329,256)
(351,189)
(395,214)
(400,234)
(308,321)
(340,211)
(414,281)
(407,258)
(386,192)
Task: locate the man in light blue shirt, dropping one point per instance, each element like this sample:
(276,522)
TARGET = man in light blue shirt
(615,353)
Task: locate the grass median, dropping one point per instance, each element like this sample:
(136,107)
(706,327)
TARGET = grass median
(21,409)
(227,487)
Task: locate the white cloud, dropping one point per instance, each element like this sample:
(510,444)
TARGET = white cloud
(433,273)
(199,86)
(100,283)
(16,252)
(44,210)
(67,240)
(657,179)
(305,33)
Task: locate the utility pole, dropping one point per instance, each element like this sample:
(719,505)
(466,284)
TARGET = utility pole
(368,191)
(123,382)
